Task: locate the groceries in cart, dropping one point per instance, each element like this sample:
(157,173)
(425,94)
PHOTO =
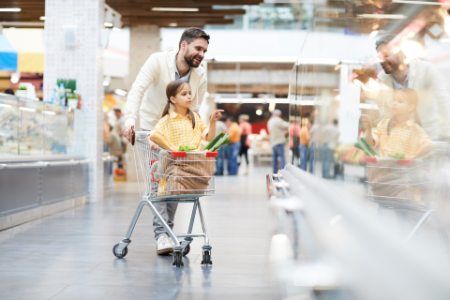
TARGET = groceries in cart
(182,130)
(401,168)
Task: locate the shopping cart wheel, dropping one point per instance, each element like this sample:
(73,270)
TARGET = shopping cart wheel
(207,258)
(186,250)
(177,259)
(123,254)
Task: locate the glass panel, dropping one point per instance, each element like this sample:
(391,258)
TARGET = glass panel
(56,129)
(32,128)
(9,126)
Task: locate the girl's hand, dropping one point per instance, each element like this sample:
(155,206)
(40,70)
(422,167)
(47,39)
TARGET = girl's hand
(216,115)
(366,121)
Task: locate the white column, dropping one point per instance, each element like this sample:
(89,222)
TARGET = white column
(144,41)
(83,62)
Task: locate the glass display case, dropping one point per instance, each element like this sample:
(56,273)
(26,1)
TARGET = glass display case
(29,127)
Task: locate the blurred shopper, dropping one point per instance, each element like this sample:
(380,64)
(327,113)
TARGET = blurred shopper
(304,144)
(246,130)
(120,120)
(220,164)
(294,138)
(330,137)
(277,133)
(160,69)
(9,92)
(312,145)
(235,145)
(434,99)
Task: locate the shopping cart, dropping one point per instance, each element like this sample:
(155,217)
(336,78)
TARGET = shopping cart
(172,177)
(406,185)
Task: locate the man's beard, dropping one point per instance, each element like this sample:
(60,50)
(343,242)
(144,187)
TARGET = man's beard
(191,62)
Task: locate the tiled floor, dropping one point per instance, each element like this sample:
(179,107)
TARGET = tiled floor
(69,255)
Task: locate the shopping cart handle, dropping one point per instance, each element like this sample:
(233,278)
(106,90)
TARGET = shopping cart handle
(211,154)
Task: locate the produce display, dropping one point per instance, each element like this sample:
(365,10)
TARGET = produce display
(349,154)
(397,156)
(186,149)
(365,146)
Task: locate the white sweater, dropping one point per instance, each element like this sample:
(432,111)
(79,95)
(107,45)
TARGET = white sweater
(150,85)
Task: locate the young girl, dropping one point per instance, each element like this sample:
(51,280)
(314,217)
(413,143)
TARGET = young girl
(402,132)
(179,126)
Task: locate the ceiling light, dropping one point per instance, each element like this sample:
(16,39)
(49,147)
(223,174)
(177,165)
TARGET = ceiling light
(416,2)
(447,25)
(15,77)
(42,18)
(120,92)
(10,9)
(27,109)
(373,34)
(173,24)
(117,29)
(381,16)
(259,112)
(272,106)
(108,24)
(188,9)
(48,112)
(5,105)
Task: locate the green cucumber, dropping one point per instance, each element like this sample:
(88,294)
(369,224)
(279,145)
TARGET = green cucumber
(214,140)
(225,139)
(369,147)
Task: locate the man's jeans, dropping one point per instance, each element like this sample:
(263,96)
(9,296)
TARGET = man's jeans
(278,152)
(220,160)
(327,157)
(233,153)
(303,156)
(312,149)
(167,212)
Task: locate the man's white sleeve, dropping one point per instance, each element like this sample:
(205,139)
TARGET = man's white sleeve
(442,95)
(200,95)
(146,75)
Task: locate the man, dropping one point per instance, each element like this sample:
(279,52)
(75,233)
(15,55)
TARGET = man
(312,145)
(277,134)
(424,78)
(147,99)
(220,128)
(304,144)
(234,147)
(330,137)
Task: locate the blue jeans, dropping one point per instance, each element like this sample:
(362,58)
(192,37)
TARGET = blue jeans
(220,160)
(312,148)
(278,152)
(303,156)
(327,156)
(233,153)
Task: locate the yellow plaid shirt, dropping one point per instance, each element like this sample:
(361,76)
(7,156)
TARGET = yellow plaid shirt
(403,138)
(178,129)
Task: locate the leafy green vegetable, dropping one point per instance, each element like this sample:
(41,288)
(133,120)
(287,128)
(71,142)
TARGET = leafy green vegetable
(215,140)
(365,146)
(186,148)
(369,147)
(397,156)
(224,140)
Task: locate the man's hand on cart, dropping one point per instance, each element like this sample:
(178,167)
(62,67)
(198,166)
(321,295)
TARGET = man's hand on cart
(217,115)
(128,131)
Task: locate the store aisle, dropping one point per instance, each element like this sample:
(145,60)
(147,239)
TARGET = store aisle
(69,255)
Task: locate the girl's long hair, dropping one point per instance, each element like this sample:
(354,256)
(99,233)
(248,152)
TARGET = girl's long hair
(411,97)
(172,89)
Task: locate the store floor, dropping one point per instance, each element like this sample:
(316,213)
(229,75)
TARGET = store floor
(69,255)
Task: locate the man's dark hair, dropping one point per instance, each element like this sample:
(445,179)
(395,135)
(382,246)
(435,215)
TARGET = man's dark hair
(335,122)
(231,118)
(384,40)
(192,33)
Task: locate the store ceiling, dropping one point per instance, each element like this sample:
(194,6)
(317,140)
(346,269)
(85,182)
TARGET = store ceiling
(138,12)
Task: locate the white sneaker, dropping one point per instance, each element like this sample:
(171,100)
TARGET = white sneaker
(164,245)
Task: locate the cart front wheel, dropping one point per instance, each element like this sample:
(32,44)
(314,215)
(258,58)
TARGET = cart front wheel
(121,255)
(207,258)
(177,259)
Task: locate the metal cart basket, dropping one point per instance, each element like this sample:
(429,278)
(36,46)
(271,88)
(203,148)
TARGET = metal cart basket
(172,177)
(407,185)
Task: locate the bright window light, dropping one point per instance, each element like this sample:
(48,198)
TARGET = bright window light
(117,29)
(188,9)
(27,109)
(10,9)
(47,112)
(108,24)
(412,49)
(5,105)
(373,34)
